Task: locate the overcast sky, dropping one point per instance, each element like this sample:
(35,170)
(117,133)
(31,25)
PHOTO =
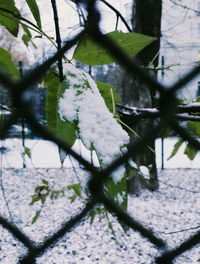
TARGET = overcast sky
(69,22)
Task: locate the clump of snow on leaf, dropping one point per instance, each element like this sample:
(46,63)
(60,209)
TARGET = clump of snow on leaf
(98,129)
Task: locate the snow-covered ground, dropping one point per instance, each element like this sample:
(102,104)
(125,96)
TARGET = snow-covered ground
(175,207)
(172,212)
(44,154)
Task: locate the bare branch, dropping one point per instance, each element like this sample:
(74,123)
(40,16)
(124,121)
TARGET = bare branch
(134,112)
(58,38)
(118,14)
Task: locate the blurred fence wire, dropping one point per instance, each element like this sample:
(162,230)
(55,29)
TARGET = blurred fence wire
(167,106)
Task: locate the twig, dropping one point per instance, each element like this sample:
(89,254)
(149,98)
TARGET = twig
(180,231)
(118,14)
(155,112)
(58,38)
(185,7)
(178,187)
(3,190)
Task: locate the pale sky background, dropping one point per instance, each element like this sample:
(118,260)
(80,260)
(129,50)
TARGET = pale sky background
(68,20)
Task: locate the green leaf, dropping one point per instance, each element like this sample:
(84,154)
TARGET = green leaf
(27,36)
(106,92)
(89,52)
(9,19)
(190,152)
(76,188)
(131,173)
(56,193)
(27,152)
(118,191)
(35,198)
(195,127)
(165,132)
(51,82)
(67,131)
(92,216)
(35,11)
(43,198)
(63,128)
(73,198)
(110,226)
(7,65)
(35,218)
(45,182)
(176,148)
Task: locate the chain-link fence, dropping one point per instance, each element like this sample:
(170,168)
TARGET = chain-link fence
(167,106)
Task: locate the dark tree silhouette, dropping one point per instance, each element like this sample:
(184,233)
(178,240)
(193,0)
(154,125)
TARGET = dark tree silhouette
(146,19)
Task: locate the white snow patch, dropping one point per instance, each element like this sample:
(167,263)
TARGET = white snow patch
(144,170)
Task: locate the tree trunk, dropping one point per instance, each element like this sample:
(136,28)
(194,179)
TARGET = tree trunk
(146,19)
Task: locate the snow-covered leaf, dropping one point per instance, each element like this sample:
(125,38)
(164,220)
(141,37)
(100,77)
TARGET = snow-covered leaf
(6,63)
(176,148)
(7,19)
(81,102)
(35,11)
(89,52)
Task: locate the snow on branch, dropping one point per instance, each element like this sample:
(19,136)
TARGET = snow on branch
(184,112)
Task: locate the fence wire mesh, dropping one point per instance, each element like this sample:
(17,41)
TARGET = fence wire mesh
(167,110)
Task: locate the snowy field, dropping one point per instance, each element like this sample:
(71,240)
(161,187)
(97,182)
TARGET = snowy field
(173,212)
(44,154)
(174,208)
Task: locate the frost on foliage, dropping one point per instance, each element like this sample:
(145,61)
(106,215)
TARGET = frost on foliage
(98,129)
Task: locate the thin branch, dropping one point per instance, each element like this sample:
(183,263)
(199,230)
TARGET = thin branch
(178,187)
(181,112)
(5,107)
(185,117)
(37,73)
(3,189)
(185,7)
(58,38)
(180,231)
(118,14)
